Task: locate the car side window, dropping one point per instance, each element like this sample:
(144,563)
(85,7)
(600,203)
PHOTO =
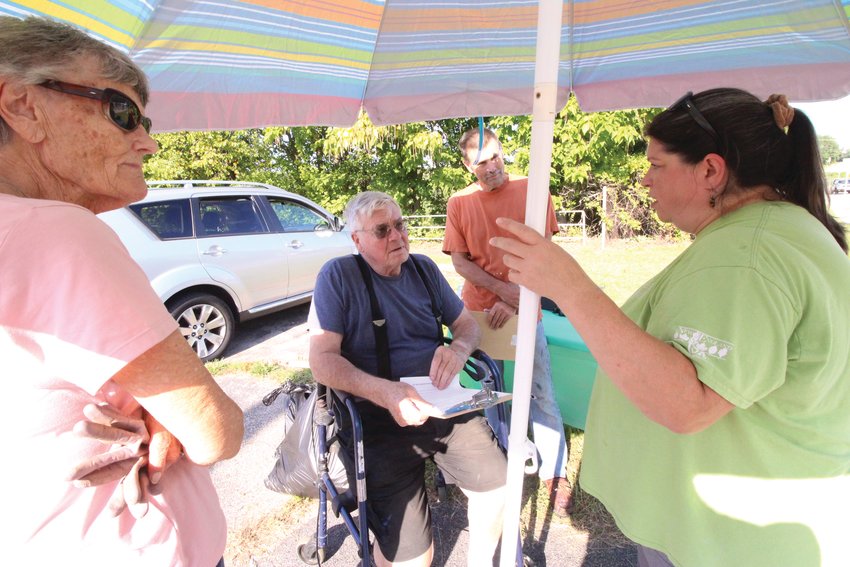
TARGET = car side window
(229,215)
(295,217)
(167,219)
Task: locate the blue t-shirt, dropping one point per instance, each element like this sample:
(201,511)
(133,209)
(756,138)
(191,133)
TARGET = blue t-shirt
(341,303)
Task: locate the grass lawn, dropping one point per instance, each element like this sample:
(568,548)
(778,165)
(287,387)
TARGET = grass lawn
(619,268)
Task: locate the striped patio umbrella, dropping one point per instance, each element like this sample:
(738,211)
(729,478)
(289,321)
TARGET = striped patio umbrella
(250,63)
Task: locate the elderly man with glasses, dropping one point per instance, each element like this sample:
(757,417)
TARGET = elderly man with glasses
(83,335)
(353,350)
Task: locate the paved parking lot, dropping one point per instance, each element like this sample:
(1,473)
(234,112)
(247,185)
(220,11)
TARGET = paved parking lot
(280,337)
(840,205)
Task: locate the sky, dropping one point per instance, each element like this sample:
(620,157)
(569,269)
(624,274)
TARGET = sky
(831,118)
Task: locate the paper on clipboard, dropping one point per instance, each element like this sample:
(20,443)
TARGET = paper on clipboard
(454,399)
(499,344)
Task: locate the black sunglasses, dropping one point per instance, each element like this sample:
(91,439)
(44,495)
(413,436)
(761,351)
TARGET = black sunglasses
(383,230)
(120,109)
(687,102)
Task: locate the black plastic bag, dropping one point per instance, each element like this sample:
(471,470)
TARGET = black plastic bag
(296,469)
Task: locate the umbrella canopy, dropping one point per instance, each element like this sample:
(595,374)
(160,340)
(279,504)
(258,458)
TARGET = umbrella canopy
(252,63)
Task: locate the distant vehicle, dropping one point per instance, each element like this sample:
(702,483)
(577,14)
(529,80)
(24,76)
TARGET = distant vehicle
(218,252)
(841,185)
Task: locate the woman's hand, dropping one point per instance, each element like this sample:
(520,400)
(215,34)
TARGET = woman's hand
(536,262)
(164,449)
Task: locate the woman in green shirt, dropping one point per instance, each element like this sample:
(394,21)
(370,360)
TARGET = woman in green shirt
(719,427)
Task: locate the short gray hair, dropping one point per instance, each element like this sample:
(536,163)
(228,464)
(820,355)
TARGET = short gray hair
(36,49)
(364,204)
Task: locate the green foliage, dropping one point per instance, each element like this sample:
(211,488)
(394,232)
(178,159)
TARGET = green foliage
(419,164)
(415,163)
(207,155)
(830,152)
(591,151)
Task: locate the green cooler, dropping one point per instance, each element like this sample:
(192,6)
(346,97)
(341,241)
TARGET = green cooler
(573,369)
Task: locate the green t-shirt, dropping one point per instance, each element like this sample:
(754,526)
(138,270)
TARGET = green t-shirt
(760,303)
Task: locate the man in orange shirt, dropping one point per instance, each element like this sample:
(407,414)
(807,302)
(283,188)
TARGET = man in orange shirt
(471,222)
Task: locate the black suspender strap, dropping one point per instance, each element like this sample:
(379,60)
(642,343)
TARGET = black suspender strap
(379,322)
(438,315)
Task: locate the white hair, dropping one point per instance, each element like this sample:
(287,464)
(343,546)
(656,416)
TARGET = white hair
(364,204)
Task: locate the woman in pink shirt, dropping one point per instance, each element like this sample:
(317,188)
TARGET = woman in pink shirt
(80,326)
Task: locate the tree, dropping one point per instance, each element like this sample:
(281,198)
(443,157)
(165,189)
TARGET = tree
(591,151)
(207,155)
(415,163)
(419,164)
(830,152)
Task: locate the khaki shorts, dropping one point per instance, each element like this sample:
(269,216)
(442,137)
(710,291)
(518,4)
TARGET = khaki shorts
(463,447)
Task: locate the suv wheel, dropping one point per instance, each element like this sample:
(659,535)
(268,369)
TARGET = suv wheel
(206,322)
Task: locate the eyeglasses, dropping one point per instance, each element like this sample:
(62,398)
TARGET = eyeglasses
(687,102)
(482,160)
(120,109)
(383,230)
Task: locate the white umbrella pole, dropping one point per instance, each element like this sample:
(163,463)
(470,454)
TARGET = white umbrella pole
(549,19)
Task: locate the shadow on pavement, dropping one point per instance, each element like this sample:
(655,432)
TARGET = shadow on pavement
(554,542)
(450,532)
(269,331)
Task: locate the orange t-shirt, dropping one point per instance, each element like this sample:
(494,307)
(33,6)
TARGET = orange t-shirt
(471,223)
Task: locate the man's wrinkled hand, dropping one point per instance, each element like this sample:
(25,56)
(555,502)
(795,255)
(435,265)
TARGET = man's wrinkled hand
(127,437)
(445,365)
(406,405)
(500,314)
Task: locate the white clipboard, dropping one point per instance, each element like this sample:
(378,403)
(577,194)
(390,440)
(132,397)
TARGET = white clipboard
(454,399)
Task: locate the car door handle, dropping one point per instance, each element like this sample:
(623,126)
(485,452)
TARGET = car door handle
(215,251)
(295,244)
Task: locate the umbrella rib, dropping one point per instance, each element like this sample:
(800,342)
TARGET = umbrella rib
(372,58)
(842,17)
(570,45)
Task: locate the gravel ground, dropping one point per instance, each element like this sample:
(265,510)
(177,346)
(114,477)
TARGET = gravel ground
(265,528)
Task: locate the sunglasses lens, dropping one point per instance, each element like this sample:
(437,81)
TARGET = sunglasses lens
(383,230)
(124,112)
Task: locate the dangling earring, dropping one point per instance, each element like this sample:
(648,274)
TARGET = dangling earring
(712,201)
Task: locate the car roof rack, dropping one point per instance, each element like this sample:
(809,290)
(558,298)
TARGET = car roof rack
(201,184)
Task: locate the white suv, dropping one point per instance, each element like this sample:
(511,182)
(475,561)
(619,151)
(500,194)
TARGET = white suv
(221,251)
